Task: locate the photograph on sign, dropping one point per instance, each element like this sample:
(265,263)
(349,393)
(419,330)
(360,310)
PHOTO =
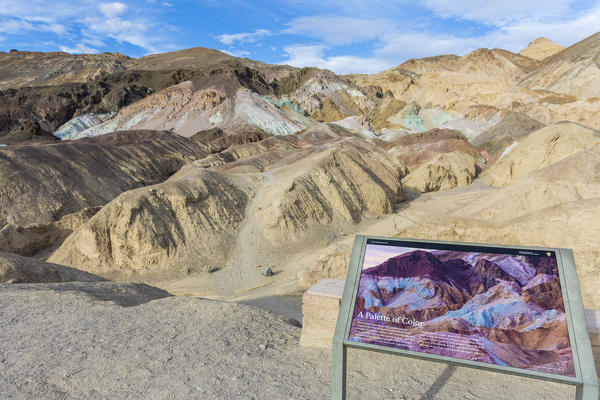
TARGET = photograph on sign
(493,305)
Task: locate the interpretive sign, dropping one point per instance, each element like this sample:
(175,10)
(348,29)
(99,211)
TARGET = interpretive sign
(509,309)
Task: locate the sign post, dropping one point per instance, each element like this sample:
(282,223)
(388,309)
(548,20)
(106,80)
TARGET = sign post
(513,310)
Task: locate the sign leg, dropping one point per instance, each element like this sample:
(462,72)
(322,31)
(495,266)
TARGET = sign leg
(338,391)
(587,392)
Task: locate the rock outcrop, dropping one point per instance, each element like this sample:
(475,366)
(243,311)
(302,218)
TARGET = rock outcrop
(189,221)
(444,171)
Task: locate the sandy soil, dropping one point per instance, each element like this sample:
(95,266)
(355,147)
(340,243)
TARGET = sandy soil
(129,341)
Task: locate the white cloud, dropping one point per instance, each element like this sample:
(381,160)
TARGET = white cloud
(16,26)
(516,36)
(122,30)
(403,46)
(167,4)
(498,12)
(79,48)
(339,30)
(236,53)
(244,37)
(112,10)
(78,22)
(314,56)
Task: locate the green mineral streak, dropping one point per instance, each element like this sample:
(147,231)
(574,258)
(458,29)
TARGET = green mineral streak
(285,104)
(414,123)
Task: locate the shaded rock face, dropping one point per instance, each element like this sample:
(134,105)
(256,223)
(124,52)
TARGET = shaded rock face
(30,239)
(41,183)
(444,171)
(512,128)
(36,112)
(416,149)
(189,220)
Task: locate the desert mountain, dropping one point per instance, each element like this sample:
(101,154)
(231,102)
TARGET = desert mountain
(26,68)
(541,48)
(573,71)
(193,167)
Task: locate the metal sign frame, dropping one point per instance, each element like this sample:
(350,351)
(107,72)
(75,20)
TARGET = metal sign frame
(585,378)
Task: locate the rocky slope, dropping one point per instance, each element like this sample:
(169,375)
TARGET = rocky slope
(27,68)
(42,183)
(540,149)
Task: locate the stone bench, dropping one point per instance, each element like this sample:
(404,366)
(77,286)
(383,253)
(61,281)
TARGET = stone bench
(321,304)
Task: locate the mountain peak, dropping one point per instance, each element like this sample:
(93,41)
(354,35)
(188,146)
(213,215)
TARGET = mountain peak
(541,48)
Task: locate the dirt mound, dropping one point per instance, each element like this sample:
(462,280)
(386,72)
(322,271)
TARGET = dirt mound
(284,197)
(17,269)
(541,148)
(338,187)
(442,172)
(569,180)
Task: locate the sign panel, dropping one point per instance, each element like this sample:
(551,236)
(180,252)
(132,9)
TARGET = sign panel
(496,305)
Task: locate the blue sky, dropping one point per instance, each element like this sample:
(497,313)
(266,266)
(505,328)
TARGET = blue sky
(344,36)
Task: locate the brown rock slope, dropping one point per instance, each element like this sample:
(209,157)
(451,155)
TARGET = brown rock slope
(541,48)
(540,149)
(42,183)
(482,77)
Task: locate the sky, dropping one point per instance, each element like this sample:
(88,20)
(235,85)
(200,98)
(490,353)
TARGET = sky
(345,36)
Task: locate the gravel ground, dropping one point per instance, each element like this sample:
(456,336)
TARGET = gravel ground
(83,340)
